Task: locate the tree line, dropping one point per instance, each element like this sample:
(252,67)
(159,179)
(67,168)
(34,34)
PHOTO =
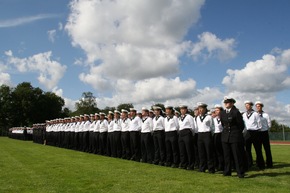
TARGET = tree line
(25,105)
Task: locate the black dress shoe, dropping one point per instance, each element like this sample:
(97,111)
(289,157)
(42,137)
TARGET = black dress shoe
(161,163)
(174,166)
(189,168)
(241,175)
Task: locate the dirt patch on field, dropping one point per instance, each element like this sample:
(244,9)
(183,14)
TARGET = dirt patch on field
(280,142)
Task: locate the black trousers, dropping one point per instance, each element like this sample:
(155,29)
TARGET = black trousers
(66,139)
(135,145)
(126,148)
(103,143)
(233,152)
(205,151)
(117,145)
(159,147)
(218,151)
(109,143)
(76,141)
(91,141)
(254,137)
(85,141)
(266,144)
(61,139)
(96,143)
(172,151)
(185,142)
(81,143)
(146,147)
(71,139)
(196,155)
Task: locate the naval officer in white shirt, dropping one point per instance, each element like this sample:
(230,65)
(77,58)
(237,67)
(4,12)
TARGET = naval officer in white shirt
(266,124)
(159,137)
(253,126)
(185,139)
(205,127)
(146,136)
(171,137)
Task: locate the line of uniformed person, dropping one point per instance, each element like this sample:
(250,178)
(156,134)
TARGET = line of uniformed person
(209,141)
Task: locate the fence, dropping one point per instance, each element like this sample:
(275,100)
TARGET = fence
(280,136)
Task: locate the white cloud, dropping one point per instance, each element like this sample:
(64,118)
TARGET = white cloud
(268,74)
(136,42)
(25,20)
(5,78)
(210,46)
(60,26)
(69,103)
(51,35)
(50,71)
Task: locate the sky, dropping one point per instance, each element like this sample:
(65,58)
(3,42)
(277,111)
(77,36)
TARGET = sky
(145,52)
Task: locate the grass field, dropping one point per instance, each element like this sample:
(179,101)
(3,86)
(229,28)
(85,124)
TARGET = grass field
(29,167)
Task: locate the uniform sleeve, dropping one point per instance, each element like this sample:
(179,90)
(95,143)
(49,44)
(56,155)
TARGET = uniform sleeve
(258,118)
(211,125)
(140,123)
(240,121)
(191,122)
(163,122)
(151,125)
(269,121)
(176,123)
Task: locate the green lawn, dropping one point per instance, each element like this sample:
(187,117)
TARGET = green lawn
(29,167)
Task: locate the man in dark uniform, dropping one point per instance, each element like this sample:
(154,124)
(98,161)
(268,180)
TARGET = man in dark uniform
(232,138)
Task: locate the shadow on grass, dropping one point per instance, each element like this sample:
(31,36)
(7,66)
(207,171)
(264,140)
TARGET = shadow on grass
(270,173)
(278,165)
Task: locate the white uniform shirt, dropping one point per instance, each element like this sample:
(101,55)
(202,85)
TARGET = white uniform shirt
(103,126)
(135,124)
(204,123)
(218,128)
(117,125)
(158,123)
(171,124)
(125,124)
(66,127)
(48,128)
(195,124)
(86,126)
(265,121)
(77,127)
(81,126)
(72,127)
(92,126)
(97,126)
(186,122)
(252,121)
(59,127)
(110,126)
(147,125)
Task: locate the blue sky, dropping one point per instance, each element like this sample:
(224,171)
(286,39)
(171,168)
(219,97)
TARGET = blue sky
(145,52)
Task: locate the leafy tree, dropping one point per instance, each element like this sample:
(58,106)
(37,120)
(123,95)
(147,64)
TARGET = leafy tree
(66,112)
(159,105)
(126,106)
(276,127)
(25,105)
(86,105)
(5,109)
(107,109)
